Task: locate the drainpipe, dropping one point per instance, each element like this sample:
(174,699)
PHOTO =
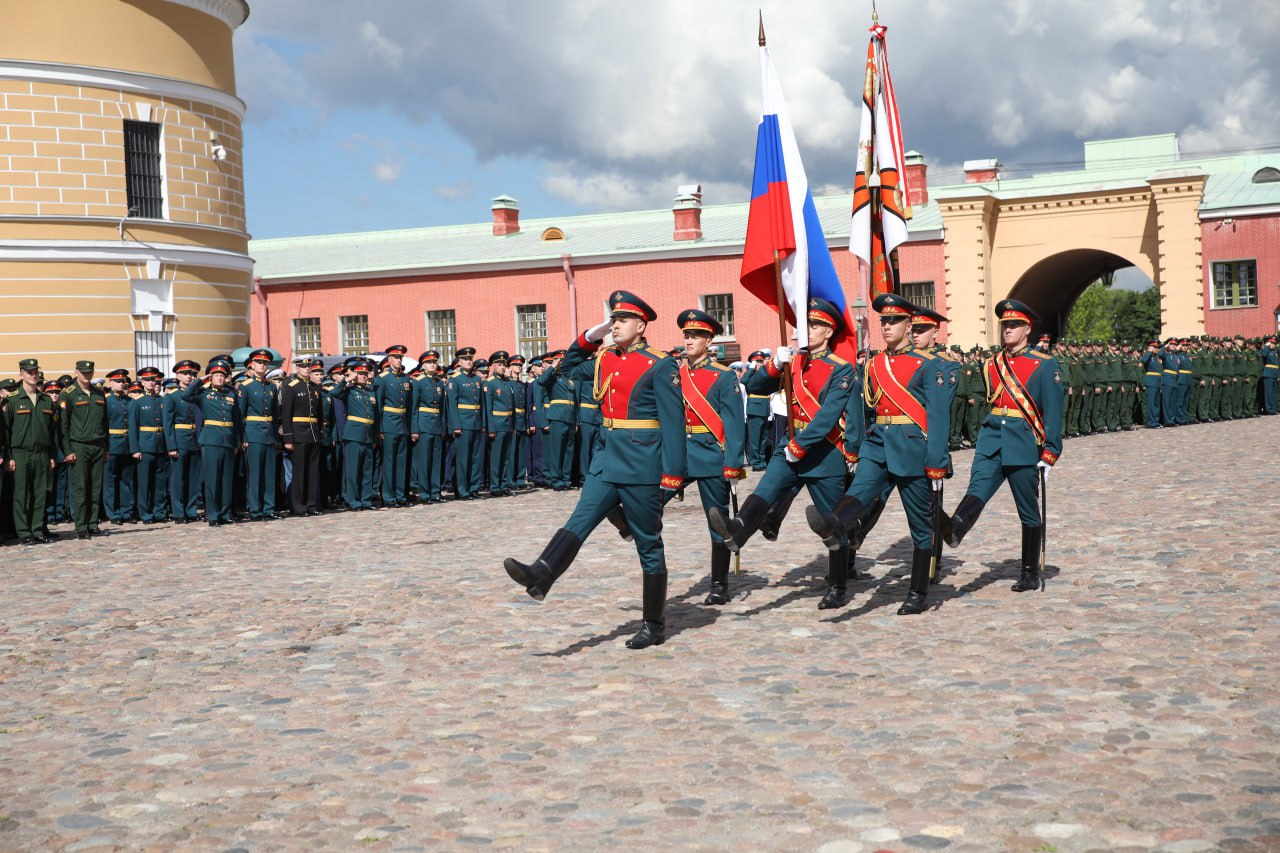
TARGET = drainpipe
(573,296)
(263,314)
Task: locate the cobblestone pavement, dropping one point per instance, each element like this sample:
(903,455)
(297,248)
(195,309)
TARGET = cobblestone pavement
(375,681)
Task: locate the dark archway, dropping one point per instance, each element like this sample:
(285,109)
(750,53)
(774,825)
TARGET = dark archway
(1052,286)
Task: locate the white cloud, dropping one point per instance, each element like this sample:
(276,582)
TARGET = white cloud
(388,162)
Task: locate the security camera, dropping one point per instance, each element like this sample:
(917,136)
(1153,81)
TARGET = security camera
(219,152)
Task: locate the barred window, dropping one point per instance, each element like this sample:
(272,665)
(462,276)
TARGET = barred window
(442,334)
(720,306)
(306,336)
(919,292)
(144,182)
(1235,284)
(353,331)
(531,330)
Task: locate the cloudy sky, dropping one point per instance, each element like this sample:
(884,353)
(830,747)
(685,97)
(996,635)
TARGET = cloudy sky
(404,113)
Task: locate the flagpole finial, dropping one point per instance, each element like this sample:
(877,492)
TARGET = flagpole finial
(875,16)
(762,28)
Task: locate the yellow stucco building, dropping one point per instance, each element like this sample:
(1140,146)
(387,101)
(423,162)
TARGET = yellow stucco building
(122,221)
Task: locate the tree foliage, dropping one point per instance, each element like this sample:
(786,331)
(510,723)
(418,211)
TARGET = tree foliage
(1124,315)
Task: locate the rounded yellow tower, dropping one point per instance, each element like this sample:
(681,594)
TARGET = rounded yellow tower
(122,223)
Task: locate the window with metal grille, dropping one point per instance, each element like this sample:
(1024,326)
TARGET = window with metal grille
(531,330)
(442,334)
(919,292)
(353,331)
(1235,284)
(720,306)
(144,182)
(152,349)
(306,336)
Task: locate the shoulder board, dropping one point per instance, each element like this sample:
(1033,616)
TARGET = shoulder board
(655,352)
(922,354)
(836,359)
(293,382)
(716,366)
(1035,353)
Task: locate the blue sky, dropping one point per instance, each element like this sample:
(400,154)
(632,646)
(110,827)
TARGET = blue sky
(404,113)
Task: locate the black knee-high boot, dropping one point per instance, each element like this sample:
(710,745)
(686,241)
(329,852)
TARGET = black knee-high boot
(654,632)
(915,603)
(777,512)
(838,562)
(1030,578)
(719,593)
(538,576)
(961,522)
(840,526)
(736,531)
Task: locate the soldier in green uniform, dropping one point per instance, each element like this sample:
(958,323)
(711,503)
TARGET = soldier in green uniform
(430,409)
(146,445)
(466,418)
(359,433)
(588,415)
(83,421)
(31,424)
(221,438)
(118,478)
(7,387)
(1270,374)
(757,420)
(1248,379)
(183,443)
(260,412)
(520,440)
(395,397)
(560,409)
(972,392)
(499,424)
(1152,368)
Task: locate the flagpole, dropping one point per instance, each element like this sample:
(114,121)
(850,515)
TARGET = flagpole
(786,342)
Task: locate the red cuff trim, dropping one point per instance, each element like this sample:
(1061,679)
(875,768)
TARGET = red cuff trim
(1049,456)
(772,369)
(850,457)
(669,482)
(935,473)
(796,449)
(735,474)
(586,344)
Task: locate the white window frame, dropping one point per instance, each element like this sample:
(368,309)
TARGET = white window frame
(729,335)
(1213,284)
(342,334)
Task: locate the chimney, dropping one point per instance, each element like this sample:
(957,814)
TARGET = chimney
(981,171)
(917,178)
(506,216)
(688,212)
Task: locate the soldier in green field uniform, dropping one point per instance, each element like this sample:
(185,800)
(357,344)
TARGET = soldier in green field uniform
(1210,367)
(1130,380)
(146,445)
(1248,379)
(956,438)
(1075,395)
(1067,367)
(7,387)
(83,422)
(31,423)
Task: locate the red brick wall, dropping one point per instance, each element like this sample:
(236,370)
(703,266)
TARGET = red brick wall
(1256,237)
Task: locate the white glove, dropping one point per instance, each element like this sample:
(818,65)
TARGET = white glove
(1045,468)
(849,466)
(781,357)
(936,485)
(596,333)
(791,457)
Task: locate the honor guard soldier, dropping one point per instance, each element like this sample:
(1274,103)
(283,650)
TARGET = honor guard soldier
(429,428)
(83,422)
(119,479)
(821,383)
(146,445)
(1020,439)
(395,397)
(757,419)
(560,408)
(640,452)
(221,438)
(359,434)
(715,433)
(466,397)
(260,411)
(909,390)
(31,423)
(499,425)
(181,417)
(302,424)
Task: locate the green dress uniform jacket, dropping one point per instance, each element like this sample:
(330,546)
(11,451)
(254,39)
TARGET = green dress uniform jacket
(181,436)
(395,400)
(221,434)
(83,422)
(559,407)
(146,437)
(359,435)
(260,410)
(430,422)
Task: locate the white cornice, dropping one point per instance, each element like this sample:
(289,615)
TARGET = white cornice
(114,222)
(110,251)
(1241,212)
(233,13)
(130,82)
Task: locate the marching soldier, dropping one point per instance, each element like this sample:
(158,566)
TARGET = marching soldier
(31,423)
(119,479)
(640,452)
(560,409)
(910,391)
(183,442)
(466,399)
(499,420)
(822,383)
(715,433)
(1020,439)
(146,445)
(83,421)
(260,410)
(395,397)
(429,428)
(221,438)
(302,422)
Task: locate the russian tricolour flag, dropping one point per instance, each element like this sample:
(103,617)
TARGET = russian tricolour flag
(783,219)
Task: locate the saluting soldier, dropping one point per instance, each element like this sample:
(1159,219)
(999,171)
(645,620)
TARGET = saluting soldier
(1020,438)
(360,432)
(146,445)
(821,383)
(260,411)
(520,441)
(31,422)
(1270,375)
(466,419)
(538,423)
(560,408)
(221,438)
(181,436)
(83,421)
(1152,370)
(302,422)
(588,418)
(640,452)
(757,419)
(430,408)
(909,390)
(119,478)
(499,424)
(395,397)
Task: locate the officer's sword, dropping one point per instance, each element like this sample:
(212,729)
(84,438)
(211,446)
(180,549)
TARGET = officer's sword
(937,525)
(733,501)
(1044,523)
